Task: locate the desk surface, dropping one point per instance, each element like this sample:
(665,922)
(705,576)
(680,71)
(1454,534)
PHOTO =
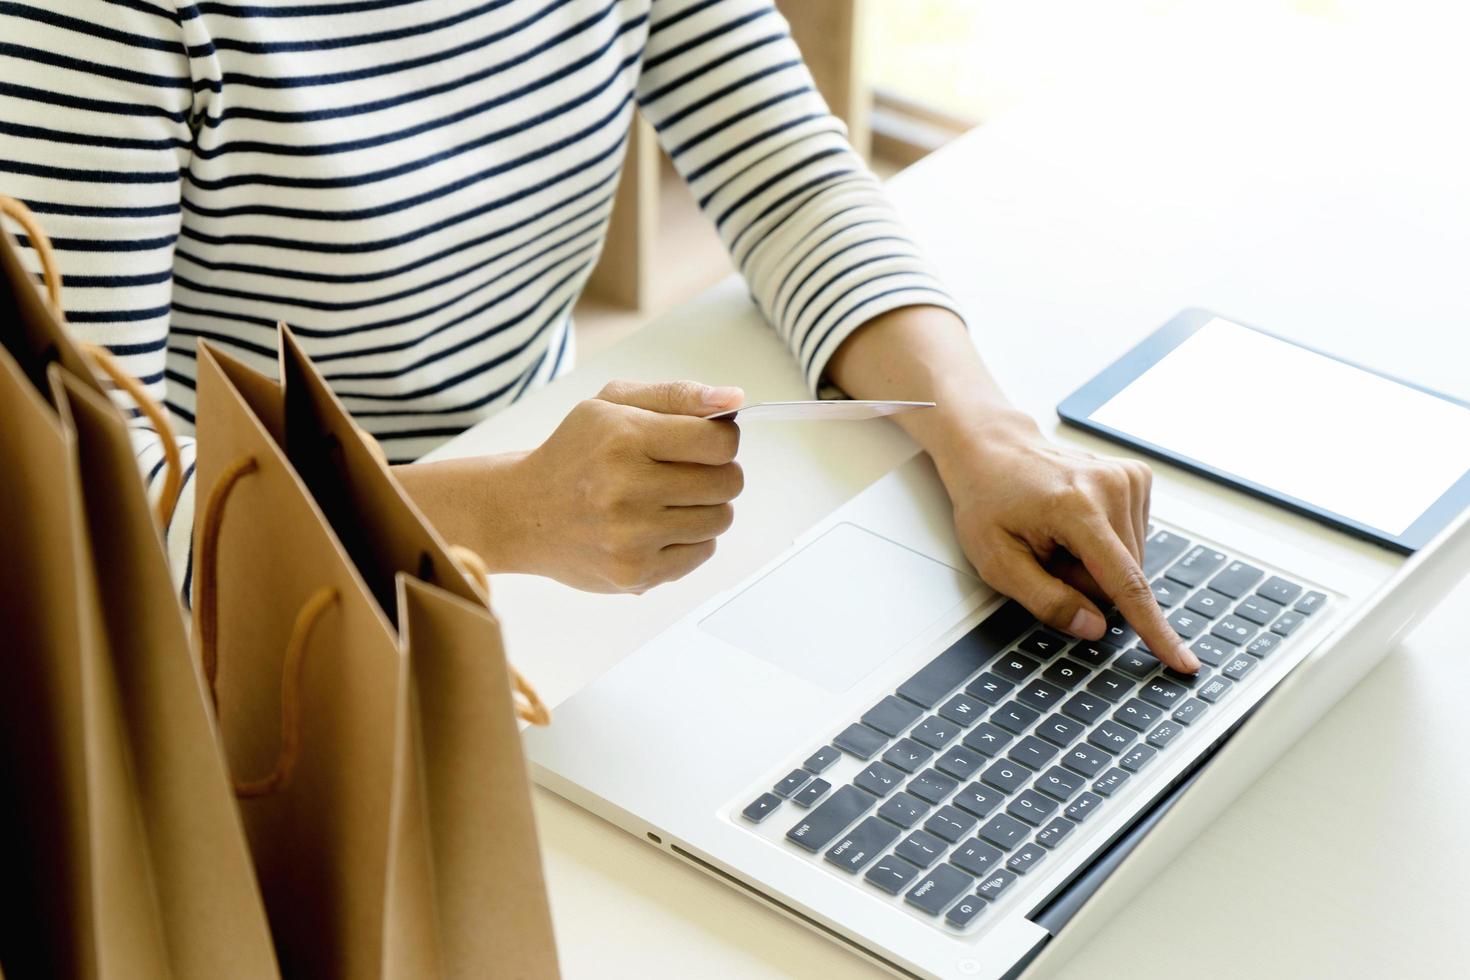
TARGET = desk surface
(1291,182)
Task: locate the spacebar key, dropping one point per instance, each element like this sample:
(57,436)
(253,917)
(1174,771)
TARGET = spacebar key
(934,682)
(816,830)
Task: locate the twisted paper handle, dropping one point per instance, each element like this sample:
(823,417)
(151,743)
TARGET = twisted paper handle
(173,480)
(207,602)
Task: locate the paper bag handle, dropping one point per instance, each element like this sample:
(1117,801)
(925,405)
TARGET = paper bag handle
(529,706)
(173,480)
(207,602)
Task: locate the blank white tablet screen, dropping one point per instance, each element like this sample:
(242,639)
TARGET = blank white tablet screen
(1260,409)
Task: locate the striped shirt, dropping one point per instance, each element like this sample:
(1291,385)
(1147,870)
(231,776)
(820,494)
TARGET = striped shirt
(420,187)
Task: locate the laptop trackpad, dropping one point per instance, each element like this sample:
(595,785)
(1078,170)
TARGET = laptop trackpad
(839,607)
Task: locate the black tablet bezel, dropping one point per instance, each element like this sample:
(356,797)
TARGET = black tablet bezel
(1078,407)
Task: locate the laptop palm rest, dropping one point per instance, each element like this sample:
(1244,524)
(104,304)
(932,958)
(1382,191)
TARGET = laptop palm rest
(839,607)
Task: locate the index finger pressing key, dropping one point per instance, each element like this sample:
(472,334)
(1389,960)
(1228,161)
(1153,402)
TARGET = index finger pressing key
(1110,563)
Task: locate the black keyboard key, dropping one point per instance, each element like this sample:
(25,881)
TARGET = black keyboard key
(1032,751)
(1198,564)
(988,739)
(977,857)
(1214,689)
(903,809)
(1136,663)
(1058,783)
(978,799)
(1190,711)
(1014,717)
(1262,645)
(822,759)
(1237,579)
(959,762)
(1187,624)
(879,778)
(934,732)
(1026,858)
(937,679)
(907,755)
(1161,737)
(1083,806)
(1109,782)
(1239,667)
(1167,593)
(1233,629)
(1044,644)
(1160,549)
(950,823)
(1258,610)
(1066,673)
(1163,693)
(1209,603)
(1112,737)
(1137,714)
(794,781)
(1085,759)
(818,827)
(1310,603)
(962,709)
(891,874)
(860,845)
(811,793)
(860,740)
(921,848)
(1086,708)
(1060,730)
(1137,757)
(1094,653)
(1052,834)
(1211,651)
(1032,807)
(963,912)
(1279,590)
(761,807)
(932,786)
(1111,685)
(1287,623)
(1015,667)
(1117,631)
(1041,695)
(1005,832)
(891,715)
(994,884)
(990,688)
(1006,775)
(938,888)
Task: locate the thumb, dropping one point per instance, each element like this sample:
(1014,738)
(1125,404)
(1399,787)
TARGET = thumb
(1017,574)
(673,397)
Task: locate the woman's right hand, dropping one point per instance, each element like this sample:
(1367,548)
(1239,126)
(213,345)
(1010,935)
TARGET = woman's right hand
(633,487)
(630,491)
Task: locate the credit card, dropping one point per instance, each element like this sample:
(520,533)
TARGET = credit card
(837,410)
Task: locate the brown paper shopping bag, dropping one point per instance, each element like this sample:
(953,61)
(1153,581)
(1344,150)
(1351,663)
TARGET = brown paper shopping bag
(364,699)
(121,854)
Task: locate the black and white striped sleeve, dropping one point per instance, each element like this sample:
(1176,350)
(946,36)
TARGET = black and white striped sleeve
(94,131)
(804,219)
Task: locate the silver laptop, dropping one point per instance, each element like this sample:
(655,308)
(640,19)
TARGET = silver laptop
(869,740)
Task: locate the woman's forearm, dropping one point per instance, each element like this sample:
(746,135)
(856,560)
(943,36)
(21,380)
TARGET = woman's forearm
(474,502)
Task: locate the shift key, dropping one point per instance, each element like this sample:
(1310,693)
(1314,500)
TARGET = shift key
(817,829)
(937,679)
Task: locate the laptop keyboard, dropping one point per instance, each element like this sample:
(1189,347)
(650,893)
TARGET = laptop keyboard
(989,757)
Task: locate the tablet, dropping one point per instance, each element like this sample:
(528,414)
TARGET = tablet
(1372,455)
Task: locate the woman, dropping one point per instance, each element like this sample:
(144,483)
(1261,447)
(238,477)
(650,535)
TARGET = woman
(420,187)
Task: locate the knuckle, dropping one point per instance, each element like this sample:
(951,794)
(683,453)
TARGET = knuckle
(735,477)
(724,517)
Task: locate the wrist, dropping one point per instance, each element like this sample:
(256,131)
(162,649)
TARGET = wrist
(963,434)
(477,503)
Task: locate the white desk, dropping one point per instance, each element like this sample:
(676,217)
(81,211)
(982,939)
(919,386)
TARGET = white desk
(1298,184)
